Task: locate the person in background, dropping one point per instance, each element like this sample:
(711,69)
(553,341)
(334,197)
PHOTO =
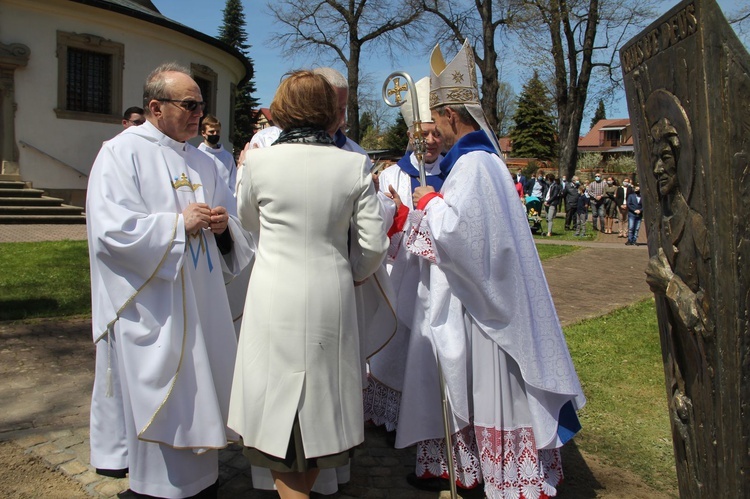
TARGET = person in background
(582,211)
(162,237)
(595,191)
(133,116)
(610,205)
(635,216)
(536,186)
(519,190)
(571,202)
(552,200)
(211,145)
(297,390)
(621,200)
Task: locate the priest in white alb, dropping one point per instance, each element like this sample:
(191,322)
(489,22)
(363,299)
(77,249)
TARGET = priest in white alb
(160,239)
(485,311)
(397,182)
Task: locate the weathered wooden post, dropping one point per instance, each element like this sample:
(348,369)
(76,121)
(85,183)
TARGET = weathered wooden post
(688,90)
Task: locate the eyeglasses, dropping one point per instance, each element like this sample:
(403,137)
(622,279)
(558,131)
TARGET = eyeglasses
(187,104)
(137,122)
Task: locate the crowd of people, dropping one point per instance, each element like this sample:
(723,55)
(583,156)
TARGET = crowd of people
(285,301)
(608,201)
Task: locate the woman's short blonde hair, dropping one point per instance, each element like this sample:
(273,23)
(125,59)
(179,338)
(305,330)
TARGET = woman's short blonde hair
(305,99)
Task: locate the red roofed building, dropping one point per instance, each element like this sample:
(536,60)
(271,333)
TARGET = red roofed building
(609,138)
(264,119)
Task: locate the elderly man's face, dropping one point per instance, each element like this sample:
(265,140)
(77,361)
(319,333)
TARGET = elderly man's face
(665,166)
(172,117)
(342,94)
(433,142)
(444,128)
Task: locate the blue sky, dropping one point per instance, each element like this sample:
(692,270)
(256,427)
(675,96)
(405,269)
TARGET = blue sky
(271,62)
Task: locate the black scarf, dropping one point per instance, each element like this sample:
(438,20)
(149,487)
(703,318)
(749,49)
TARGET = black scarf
(304,135)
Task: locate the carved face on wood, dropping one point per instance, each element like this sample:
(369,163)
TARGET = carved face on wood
(672,158)
(665,155)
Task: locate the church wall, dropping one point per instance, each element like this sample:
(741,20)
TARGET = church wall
(48,143)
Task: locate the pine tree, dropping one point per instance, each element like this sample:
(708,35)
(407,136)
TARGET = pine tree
(534,134)
(599,115)
(396,137)
(233,33)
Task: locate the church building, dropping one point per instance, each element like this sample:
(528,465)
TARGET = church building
(68,70)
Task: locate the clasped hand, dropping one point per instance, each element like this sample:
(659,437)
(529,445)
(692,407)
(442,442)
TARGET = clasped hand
(420,192)
(199,216)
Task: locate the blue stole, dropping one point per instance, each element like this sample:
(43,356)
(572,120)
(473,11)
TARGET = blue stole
(339,139)
(435,181)
(474,141)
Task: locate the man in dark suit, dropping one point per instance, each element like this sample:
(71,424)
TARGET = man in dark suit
(520,178)
(536,186)
(635,215)
(621,200)
(571,202)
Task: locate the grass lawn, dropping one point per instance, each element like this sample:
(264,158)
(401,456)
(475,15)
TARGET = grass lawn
(625,421)
(51,279)
(559,232)
(47,279)
(547,251)
(617,356)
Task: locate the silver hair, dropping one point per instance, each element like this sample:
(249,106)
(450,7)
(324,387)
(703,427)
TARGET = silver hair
(463,114)
(156,84)
(333,76)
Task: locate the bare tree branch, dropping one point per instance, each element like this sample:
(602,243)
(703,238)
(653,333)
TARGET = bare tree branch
(342,28)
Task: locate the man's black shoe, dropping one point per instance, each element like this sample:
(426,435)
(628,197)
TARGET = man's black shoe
(112,473)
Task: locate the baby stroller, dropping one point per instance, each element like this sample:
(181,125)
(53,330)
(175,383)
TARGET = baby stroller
(534,213)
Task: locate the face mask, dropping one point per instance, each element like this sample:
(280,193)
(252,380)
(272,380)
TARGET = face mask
(578,182)
(597,178)
(213,139)
(638,191)
(625,184)
(540,178)
(609,182)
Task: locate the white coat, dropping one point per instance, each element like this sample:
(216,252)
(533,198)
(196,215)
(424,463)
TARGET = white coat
(299,342)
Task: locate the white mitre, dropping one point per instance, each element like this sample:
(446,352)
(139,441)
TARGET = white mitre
(422,88)
(455,83)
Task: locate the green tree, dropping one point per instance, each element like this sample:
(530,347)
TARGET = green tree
(396,137)
(232,32)
(366,123)
(600,114)
(344,30)
(534,135)
(579,41)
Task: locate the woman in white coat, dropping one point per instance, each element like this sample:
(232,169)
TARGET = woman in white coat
(297,390)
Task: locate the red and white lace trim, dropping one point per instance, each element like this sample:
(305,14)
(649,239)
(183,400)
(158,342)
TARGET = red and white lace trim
(419,240)
(507,461)
(381,404)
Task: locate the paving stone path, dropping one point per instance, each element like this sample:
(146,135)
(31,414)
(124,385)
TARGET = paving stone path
(47,368)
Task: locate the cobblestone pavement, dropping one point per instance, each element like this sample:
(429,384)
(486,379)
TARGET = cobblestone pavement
(47,368)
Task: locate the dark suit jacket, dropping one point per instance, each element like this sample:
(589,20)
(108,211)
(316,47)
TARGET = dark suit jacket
(530,187)
(571,195)
(635,202)
(555,195)
(620,198)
